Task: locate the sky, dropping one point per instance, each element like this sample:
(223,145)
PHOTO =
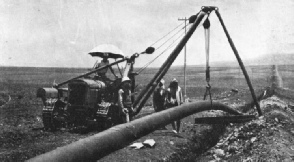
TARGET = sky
(48,33)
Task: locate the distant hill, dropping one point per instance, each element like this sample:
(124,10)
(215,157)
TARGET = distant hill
(266,59)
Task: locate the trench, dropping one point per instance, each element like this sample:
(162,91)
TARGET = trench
(201,143)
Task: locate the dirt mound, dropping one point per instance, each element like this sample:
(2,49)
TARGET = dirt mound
(268,138)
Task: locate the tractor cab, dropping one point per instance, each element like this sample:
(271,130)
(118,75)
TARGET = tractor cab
(107,52)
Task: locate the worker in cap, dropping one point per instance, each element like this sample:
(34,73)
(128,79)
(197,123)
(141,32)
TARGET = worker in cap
(159,97)
(174,80)
(104,62)
(124,100)
(161,83)
(174,98)
(124,79)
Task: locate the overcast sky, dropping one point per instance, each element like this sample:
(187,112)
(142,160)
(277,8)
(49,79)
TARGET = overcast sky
(61,33)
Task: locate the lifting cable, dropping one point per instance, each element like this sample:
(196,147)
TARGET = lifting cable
(206,26)
(166,34)
(172,36)
(167,48)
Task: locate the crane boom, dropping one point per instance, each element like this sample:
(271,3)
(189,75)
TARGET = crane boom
(145,94)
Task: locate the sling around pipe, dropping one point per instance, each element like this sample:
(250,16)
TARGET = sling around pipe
(97,146)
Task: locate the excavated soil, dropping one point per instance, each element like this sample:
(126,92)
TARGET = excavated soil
(268,138)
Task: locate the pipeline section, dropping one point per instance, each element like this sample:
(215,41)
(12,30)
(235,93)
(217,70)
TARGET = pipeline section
(96,147)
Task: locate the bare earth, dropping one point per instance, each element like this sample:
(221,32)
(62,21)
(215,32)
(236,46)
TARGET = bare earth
(268,138)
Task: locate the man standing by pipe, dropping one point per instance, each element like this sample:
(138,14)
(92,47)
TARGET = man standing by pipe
(159,97)
(174,98)
(125,100)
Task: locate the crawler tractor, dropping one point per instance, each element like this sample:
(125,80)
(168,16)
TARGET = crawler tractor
(88,101)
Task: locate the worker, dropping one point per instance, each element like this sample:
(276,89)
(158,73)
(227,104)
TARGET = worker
(102,76)
(174,98)
(159,97)
(104,62)
(125,100)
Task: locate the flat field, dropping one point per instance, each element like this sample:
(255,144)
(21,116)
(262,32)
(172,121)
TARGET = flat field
(20,118)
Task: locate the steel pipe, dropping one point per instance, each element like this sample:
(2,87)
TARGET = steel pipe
(97,146)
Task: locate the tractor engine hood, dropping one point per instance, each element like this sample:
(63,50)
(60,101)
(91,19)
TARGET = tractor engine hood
(93,84)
